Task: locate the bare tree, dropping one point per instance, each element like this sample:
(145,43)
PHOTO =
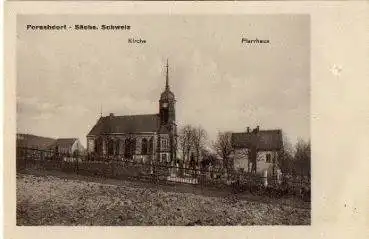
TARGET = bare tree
(285,159)
(302,157)
(208,158)
(184,138)
(198,137)
(223,147)
(253,151)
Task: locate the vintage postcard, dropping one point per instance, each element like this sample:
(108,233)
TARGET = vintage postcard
(183,101)
(138,116)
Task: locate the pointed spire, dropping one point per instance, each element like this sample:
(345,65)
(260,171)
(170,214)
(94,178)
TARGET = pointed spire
(167,77)
(100,109)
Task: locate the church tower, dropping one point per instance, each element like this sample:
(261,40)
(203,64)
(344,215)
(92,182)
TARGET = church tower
(167,104)
(168,128)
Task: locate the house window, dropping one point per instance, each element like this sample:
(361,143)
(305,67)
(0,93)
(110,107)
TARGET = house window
(268,156)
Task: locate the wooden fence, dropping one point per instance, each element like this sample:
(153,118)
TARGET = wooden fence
(120,168)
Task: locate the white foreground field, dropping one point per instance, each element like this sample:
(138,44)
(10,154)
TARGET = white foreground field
(50,200)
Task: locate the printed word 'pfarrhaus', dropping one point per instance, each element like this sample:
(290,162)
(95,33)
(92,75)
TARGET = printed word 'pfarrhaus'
(254,41)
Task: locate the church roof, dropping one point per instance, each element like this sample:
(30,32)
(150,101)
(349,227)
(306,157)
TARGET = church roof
(265,140)
(126,124)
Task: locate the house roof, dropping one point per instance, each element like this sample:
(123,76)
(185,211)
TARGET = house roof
(265,140)
(126,124)
(34,141)
(64,142)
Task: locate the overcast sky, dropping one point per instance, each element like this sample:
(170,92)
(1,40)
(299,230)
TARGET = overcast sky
(219,83)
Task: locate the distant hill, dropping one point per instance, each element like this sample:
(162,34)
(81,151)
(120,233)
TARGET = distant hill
(34,141)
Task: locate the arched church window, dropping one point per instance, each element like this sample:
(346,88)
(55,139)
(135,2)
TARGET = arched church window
(98,145)
(129,147)
(110,147)
(144,146)
(117,147)
(151,145)
(134,142)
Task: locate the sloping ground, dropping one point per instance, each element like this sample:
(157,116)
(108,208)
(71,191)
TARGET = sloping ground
(49,200)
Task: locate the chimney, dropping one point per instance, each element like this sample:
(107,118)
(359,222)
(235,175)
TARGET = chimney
(248,129)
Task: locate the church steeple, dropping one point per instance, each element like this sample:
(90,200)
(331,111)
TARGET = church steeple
(167,102)
(167,94)
(167,77)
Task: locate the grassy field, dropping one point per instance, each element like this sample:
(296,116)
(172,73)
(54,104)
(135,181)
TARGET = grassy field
(51,200)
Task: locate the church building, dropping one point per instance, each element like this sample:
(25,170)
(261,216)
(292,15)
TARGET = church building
(145,137)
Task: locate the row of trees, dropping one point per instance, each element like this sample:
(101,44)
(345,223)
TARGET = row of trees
(296,160)
(192,141)
(194,148)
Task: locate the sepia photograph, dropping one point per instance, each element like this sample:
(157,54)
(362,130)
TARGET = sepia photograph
(163,120)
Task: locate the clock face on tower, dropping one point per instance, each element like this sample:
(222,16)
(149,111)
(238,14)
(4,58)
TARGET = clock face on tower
(165,105)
